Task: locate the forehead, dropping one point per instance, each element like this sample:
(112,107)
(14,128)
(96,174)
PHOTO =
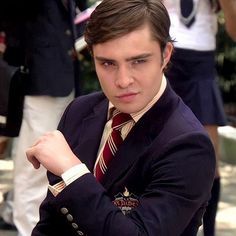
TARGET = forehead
(137,40)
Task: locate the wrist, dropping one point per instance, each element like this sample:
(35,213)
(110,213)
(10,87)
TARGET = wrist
(74,173)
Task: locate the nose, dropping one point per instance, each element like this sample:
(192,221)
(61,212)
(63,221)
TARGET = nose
(123,77)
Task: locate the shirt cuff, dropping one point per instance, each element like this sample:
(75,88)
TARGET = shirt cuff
(74,173)
(68,177)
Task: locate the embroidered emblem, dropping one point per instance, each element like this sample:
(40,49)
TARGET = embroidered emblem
(126,201)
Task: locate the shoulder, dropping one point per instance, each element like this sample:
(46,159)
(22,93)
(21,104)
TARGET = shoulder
(88,101)
(174,116)
(83,106)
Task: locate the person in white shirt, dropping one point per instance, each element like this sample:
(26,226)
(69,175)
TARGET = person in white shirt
(192,75)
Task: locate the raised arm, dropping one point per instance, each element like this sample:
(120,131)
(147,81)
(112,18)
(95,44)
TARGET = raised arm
(229,9)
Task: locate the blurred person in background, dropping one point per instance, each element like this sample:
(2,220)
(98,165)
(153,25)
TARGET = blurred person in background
(3,139)
(11,103)
(46,31)
(6,74)
(192,75)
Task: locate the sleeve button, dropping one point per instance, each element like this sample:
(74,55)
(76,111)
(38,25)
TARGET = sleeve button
(69,217)
(75,226)
(64,210)
(80,233)
(68,32)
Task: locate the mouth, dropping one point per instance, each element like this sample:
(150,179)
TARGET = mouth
(126,97)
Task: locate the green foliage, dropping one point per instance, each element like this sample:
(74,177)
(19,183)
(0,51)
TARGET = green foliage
(89,81)
(226,63)
(91,2)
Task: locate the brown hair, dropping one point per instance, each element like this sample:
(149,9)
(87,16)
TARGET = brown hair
(114,18)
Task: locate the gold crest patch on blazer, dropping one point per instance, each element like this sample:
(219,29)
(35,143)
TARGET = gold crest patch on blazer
(126,201)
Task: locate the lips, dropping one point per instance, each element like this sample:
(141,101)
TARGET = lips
(126,97)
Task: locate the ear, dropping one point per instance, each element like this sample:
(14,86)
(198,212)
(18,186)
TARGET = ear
(167,54)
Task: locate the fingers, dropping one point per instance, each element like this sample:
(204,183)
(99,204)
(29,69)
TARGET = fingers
(31,158)
(33,153)
(45,136)
(51,151)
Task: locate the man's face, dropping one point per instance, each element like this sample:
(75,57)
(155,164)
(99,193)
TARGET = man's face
(130,69)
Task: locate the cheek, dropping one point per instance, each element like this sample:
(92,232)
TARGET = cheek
(101,75)
(151,82)
(105,81)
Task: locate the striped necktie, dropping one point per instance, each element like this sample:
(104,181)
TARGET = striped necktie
(113,142)
(188,12)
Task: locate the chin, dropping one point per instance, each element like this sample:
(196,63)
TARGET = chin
(128,108)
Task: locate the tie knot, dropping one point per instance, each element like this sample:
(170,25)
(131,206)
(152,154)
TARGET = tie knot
(120,119)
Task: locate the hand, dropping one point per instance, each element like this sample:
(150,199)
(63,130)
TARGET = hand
(53,152)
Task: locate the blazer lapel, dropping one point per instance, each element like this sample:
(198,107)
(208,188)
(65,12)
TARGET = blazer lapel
(92,129)
(135,143)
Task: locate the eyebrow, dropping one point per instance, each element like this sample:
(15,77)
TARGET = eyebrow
(141,56)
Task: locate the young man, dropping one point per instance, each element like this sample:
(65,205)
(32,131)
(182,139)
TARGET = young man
(159,179)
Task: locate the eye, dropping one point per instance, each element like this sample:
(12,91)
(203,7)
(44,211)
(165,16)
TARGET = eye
(139,61)
(108,63)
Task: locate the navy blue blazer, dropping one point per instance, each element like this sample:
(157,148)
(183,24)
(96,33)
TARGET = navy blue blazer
(50,49)
(158,183)
(44,29)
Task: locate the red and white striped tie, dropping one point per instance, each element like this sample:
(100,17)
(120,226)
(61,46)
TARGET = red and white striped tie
(112,144)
